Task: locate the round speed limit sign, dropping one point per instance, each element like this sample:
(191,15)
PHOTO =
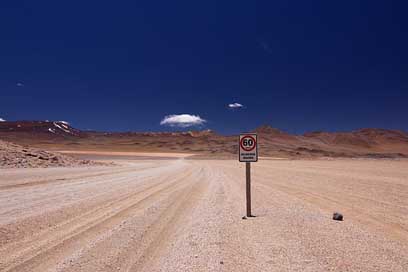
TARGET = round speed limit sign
(248,143)
(248,147)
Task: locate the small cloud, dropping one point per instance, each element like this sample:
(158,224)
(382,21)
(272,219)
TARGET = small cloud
(2,120)
(182,120)
(235,106)
(265,46)
(20,84)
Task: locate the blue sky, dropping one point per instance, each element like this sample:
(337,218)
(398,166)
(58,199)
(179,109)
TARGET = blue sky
(125,65)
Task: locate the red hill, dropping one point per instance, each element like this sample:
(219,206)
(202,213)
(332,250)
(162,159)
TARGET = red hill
(58,135)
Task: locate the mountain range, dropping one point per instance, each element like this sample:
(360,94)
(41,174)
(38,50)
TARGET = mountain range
(60,135)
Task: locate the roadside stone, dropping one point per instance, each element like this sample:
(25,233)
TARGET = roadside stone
(337,216)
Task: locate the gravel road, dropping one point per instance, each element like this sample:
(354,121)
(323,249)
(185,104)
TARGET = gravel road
(186,215)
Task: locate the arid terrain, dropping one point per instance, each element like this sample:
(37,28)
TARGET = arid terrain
(161,213)
(59,135)
(174,201)
(16,156)
(203,136)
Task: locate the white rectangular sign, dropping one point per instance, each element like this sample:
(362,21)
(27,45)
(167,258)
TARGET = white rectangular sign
(248,147)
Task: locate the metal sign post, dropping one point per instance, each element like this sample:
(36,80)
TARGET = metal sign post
(248,189)
(248,152)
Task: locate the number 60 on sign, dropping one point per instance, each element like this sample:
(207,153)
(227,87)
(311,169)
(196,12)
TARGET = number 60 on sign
(248,147)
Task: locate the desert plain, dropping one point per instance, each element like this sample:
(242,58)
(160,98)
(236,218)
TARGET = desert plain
(175,213)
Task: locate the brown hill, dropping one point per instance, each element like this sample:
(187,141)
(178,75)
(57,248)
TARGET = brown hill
(272,142)
(16,156)
(369,140)
(270,131)
(58,128)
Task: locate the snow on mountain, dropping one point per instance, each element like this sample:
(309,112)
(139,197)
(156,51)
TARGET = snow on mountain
(62,126)
(57,128)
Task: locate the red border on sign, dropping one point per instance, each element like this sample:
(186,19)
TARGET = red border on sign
(247,136)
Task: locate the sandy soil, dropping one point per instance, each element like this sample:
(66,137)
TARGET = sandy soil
(185,215)
(114,154)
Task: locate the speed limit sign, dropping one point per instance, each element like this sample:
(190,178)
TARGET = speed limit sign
(248,147)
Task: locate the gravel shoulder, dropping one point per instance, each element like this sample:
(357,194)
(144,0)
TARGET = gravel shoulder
(17,156)
(186,215)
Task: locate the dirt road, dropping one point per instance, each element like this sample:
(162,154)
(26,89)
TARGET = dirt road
(185,215)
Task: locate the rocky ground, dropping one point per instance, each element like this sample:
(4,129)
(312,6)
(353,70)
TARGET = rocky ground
(16,156)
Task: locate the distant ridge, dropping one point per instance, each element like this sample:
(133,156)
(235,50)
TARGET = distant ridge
(60,128)
(60,135)
(268,130)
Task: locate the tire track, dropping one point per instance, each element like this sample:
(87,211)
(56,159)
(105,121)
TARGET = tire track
(27,257)
(40,220)
(167,224)
(61,179)
(142,236)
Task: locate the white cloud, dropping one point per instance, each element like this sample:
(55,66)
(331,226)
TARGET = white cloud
(235,106)
(182,120)
(19,84)
(2,120)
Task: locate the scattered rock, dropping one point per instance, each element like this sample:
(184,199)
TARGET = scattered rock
(16,156)
(337,216)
